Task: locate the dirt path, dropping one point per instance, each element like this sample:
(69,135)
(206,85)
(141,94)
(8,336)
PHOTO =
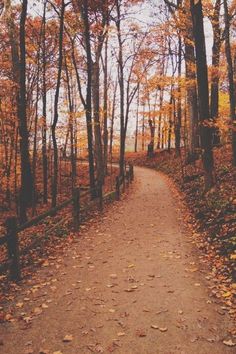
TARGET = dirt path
(133,283)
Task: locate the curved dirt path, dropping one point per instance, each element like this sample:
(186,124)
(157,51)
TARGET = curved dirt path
(132,284)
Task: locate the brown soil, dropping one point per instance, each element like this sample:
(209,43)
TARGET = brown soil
(133,283)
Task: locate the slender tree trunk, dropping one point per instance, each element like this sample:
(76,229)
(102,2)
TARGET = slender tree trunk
(178,122)
(112,119)
(56,100)
(97,127)
(44,111)
(203,93)
(34,162)
(160,118)
(190,73)
(26,174)
(89,68)
(121,85)
(231,80)
(215,60)
(214,107)
(71,130)
(143,128)
(136,125)
(105,113)
(170,121)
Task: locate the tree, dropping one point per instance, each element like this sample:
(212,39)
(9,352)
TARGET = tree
(55,118)
(203,93)
(230,79)
(19,74)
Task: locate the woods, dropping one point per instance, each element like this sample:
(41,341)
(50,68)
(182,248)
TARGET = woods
(118,176)
(78,76)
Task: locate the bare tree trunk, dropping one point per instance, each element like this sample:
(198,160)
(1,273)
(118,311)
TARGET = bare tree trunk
(170,121)
(26,174)
(214,107)
(203,94)
(44,102)
(179,108)
(122,93)
(152,133)
(105,113)
(160,118)
(112,119)
(190,69)
(136,125)
(55,118)
(143,127)
(231,80)
(71,130)
(97,127)
(88,103)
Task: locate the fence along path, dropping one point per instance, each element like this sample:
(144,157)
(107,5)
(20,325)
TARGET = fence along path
(11,238)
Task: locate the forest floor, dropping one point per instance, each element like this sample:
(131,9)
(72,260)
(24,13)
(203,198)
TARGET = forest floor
(133,280)
(37,242)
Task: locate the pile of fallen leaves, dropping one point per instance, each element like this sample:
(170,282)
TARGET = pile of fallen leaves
(214,211)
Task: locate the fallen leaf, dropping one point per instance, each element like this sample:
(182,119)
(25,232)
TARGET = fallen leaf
(163,329)
(20,304)
(121,334)
(44,306)
(154,326)
(227,294)
(67,338)
(113,276)
(229,343)
(37,311)
(141,333)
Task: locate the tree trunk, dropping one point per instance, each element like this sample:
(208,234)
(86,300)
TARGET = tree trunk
(88,107)
(97,127)
(112,119)
(105,113)
(203,93)
(26,174)
(55,118)
(44,111)
(190,70)
(231,80)
(136,126)
(122,93)
(71,130)
(179,108)
(214,108)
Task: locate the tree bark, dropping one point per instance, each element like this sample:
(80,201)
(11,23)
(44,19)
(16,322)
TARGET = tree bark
(88,102)
(203,93)
(231,80)
(44,111)
(122,92)
(56,100)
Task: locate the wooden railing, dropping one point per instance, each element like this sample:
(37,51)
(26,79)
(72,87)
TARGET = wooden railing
(11,240)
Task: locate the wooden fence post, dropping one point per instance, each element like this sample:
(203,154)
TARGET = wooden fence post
(13,248)
(131,171)
(100,196)
(76,208)
(127,177)
(117,188)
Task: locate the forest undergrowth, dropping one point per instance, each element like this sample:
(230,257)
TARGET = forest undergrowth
(40,243)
